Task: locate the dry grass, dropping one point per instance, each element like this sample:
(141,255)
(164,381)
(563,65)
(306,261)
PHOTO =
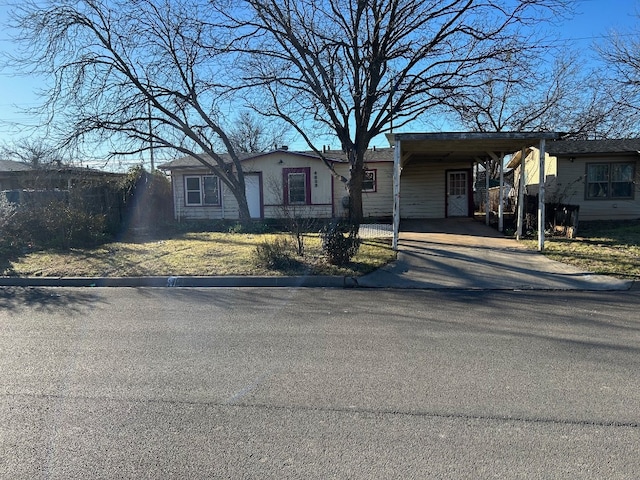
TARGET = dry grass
(198,254)
(606,247)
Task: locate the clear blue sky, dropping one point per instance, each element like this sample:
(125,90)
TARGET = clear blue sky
(594,20)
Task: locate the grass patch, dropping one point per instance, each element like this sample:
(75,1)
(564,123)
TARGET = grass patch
(192,254)
(602,247)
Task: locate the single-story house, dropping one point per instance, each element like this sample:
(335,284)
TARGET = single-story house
(420,176)
(600,176)
(24,176)
(298,182)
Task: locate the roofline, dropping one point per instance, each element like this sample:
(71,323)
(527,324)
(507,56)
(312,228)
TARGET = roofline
(394,137)
(310,154)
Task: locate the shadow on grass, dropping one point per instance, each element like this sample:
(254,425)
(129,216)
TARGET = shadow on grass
(6,263)
(46,299)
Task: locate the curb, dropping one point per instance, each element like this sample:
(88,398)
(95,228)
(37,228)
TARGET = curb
(178,281)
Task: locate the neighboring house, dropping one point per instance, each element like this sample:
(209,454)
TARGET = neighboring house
(97,191)
(281,183)
(12,174)
(601,176)
(23,176)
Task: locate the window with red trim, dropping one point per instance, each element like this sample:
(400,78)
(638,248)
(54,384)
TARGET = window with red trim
(297,186)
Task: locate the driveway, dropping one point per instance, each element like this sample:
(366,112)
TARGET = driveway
(464,253)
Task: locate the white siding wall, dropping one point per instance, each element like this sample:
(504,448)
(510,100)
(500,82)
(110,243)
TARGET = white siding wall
(571,190)
(374,204)
(271,166)
(422,189)
(183,212)
(532,169)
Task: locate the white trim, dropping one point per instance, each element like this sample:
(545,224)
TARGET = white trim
(201,191)
(396,194)
(541,212)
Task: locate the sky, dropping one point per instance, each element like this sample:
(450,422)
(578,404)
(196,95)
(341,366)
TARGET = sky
(594,20)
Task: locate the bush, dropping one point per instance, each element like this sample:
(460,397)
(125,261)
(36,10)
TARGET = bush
(275,254)
(9,235)
(53,224)
(340,243)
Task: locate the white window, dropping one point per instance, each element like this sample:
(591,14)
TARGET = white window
(201,190)
(297,188)
(369,183)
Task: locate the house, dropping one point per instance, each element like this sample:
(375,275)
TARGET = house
(600,176)
(421,176)
(23,176)
(95,190)
(12,174)
(282,182)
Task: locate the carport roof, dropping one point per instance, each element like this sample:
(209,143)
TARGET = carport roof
(463,146)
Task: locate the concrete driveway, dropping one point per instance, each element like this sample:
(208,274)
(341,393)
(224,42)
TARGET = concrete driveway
(464,253)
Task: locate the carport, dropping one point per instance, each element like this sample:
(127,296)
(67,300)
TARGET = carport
(455,149)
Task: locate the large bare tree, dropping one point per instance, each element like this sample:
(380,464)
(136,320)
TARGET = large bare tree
(621,54)
(542,92)
(250,134)
(135,75)
(539,91)
(355,67)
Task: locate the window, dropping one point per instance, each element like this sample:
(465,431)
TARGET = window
(609,180)
(297,187)
(201,190)
(369,183)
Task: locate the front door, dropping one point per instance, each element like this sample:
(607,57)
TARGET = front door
(457,194)
(254,195)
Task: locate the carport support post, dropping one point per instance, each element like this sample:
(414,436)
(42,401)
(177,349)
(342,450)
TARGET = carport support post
(501,199)
(396,194)
(487,206)
(541,213)
(521,187)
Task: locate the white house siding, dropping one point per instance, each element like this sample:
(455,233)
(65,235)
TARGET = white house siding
(532,169)
(571,190)
(422,189)
(378,204)
(183,212)
(271,167)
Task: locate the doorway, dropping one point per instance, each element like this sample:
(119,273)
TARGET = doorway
(253,191)
(457,193)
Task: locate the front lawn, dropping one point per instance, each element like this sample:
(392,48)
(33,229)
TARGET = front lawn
(603,247)
(198,254)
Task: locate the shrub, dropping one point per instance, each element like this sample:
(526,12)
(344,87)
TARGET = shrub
(340,243)
(275,254)
(54,224)
(9,235)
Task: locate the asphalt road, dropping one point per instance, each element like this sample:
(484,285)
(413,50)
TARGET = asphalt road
(318,383)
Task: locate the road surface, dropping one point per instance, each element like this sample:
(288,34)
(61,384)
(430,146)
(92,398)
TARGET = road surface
(318,383)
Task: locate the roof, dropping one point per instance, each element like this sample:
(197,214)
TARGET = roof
(21,169)
(338,156)
(463,146)
(587,147)
(12,166)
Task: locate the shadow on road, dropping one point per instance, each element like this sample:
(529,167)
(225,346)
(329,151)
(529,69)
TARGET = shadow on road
(45,299)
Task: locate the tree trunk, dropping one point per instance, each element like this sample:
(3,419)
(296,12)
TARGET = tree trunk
(354,187)
(244,217)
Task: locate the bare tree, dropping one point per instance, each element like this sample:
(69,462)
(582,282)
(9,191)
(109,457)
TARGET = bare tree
(531,93)
(621,55)
(250,135)
(135,75)
(35,152)
(526,93)
(354,67)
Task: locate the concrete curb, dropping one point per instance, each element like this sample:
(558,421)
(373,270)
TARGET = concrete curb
(180,281)
(320,281)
